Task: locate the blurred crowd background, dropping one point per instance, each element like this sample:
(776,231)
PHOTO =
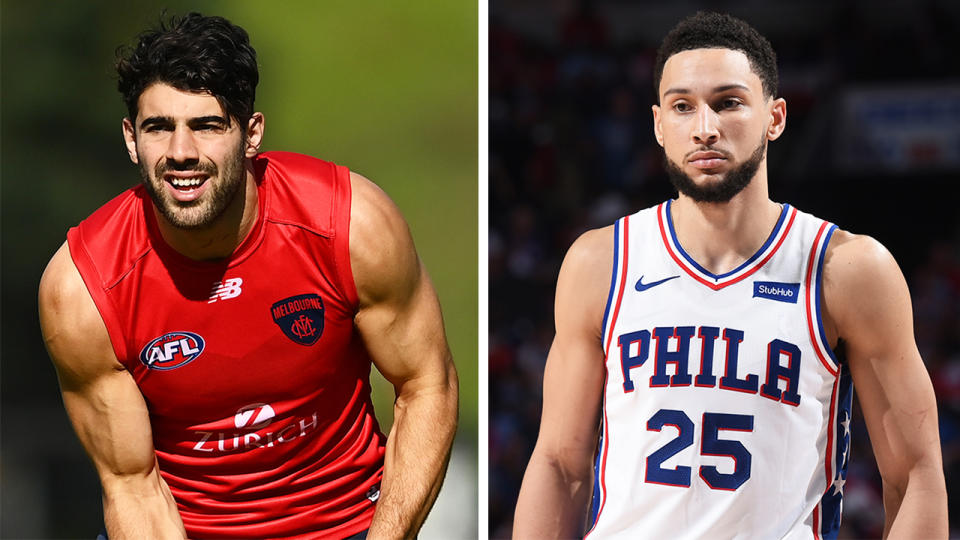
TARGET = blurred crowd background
(385,88)
(872,143)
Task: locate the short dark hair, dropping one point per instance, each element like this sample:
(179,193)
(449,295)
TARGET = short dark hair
(708,30)
(195,53)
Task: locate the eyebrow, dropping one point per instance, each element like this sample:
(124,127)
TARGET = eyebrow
(168,120)
(155,120)
(716,90)
(211,119)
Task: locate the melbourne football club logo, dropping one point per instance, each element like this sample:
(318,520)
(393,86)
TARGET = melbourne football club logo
(300,317)
(172,350)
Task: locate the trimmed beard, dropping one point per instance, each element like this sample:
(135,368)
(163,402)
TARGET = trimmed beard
(723,190)
(203,212)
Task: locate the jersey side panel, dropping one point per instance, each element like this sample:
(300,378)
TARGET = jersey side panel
(611,312)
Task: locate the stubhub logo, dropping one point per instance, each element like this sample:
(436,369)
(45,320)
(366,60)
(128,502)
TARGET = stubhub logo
(773,290)
(172,350)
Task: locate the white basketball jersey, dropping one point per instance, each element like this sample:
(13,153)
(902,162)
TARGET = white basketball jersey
(725,412)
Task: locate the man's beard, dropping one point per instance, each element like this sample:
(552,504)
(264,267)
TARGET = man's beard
(202,212)
(723,190)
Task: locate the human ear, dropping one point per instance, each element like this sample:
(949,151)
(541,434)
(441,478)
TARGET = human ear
(254,134)
(657,129)
(130,140)
(778,119)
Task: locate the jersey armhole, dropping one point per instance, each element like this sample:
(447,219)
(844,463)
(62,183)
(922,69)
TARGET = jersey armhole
(94,284)
(813,281)
(617,281)
(342,210)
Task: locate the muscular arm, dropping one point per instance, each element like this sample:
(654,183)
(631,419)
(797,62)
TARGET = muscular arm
(557,485)
(400,323)
(868,308)
(105,407)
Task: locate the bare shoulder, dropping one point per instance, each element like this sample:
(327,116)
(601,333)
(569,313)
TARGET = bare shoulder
(591,255)
(62,291)
(856,262)
(382,253)
(584,282)
(863,286)
(847,250)
(73,331)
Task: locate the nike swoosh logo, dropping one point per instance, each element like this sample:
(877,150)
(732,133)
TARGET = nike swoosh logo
(641,286)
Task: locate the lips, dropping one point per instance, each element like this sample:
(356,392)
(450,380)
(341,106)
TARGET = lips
(706,160)
(185,186)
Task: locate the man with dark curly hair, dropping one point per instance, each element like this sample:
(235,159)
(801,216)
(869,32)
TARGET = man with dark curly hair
(213,329)
(706,348)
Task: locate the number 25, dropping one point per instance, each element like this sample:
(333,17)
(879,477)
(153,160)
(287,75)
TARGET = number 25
(710,445)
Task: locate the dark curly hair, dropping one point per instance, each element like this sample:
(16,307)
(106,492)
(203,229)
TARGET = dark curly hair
(194,53)
(707,30)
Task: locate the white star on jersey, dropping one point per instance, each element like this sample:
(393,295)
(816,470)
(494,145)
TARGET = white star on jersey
(838,485)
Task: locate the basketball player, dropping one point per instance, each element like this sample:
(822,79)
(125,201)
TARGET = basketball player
(711,341)
(213,329)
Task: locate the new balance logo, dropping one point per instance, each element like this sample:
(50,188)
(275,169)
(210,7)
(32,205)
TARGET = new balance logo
(224,290)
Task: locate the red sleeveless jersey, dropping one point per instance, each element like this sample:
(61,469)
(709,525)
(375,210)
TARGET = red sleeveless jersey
(256,381)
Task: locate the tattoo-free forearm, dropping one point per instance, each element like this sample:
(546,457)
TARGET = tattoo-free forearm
(418,448)
(143,508)
(919,510)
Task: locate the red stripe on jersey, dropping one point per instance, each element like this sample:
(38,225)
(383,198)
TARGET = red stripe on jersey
(613,323)
(816,522)
(623,282)
(808,282)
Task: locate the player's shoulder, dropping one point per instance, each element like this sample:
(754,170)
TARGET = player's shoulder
(849,255)
(293,160)
(382,252)
(119,213)
(62,291)
(590,247)
(72,328)
(60,279)
(588,263)
(298,175)
(114,238)
(859,276)
(298,172)
(374,217)
(305,191)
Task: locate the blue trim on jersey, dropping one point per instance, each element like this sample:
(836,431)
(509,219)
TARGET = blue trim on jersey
(819,278)
(776,229)
(830,503)
(595,503)
(613,279)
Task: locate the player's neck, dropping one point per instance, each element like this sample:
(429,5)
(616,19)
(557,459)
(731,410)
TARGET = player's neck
(721,236)
(226,233)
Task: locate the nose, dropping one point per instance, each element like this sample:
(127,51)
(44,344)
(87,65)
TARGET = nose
(706,131)
(182,147)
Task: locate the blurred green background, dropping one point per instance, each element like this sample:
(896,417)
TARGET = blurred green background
(388,89)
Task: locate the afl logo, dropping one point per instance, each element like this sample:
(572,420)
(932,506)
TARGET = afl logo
(172,350)
(253,416)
